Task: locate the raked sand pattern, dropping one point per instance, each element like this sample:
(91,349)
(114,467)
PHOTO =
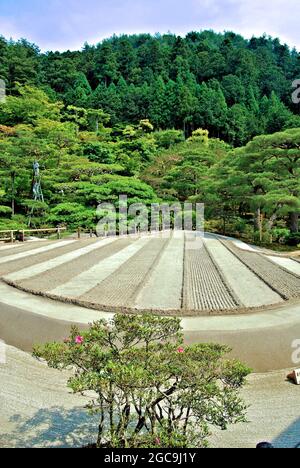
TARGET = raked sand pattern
(153,273)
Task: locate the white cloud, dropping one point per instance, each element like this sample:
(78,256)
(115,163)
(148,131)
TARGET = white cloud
(278,18)
(58,24)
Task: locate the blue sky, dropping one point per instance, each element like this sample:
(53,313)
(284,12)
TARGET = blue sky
(67,24)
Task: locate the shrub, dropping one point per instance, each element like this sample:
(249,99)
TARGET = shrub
(151,389)
(99,152)
(73,215)
(293,239)
(5,211)
(280,234)
(167,138)
(17,222)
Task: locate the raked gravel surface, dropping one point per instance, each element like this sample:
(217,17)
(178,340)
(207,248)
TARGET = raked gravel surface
(273,414)
(287,263)
(204,286)
(37,409)
(169,273)
(83,259)
(19,246)
(53,263)
(279,279)
(35,256)
(20,255)
(123,286)
(248,288)
(92,277)
(163,288)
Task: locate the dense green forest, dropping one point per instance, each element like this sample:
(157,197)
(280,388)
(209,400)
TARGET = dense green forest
(125,117)
(233,87)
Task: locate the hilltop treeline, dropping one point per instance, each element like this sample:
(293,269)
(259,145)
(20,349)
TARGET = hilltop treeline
(235,88)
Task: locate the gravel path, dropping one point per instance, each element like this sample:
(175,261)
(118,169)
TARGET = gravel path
(122,286)
(163,288)
(281,281)
(37,410)
(204,288)
(243,246)
(251,291)
(273,414)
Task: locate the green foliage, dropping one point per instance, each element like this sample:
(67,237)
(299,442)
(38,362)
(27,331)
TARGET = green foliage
(152,391)
(101,120)
(30,105)
(100,152)
(167,138)
(293,239)
(79,168)
(182,170)
(250,192)
(235,88)
(271,168)
(200,136)
(280,234)
(72,215)
(16,223)
(5,211)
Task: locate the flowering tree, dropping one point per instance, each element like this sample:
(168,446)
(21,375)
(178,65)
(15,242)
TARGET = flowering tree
(149,389)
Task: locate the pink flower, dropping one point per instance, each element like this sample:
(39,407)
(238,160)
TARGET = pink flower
(79,340)
(180,350)
(157,441)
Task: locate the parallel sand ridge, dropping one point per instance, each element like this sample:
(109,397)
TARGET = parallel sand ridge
(153,273)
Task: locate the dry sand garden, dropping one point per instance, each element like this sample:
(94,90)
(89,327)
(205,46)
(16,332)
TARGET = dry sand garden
(154,273)
(161,274)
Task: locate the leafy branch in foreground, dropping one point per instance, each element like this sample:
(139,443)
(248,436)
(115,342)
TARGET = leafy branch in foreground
(149,389)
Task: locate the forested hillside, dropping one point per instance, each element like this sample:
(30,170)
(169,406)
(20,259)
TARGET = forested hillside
(235,88)
(154,118)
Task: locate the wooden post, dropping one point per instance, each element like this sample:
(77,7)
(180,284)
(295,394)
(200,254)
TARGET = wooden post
(23,236)
(58,233)
(91,233)
(12,237)
(261,228)
(79,233)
